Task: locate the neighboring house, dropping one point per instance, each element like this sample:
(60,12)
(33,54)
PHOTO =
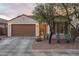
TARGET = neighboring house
(3,27)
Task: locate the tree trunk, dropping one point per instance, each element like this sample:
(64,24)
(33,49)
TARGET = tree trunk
(50,38)
(50,35)
(73,33)
(53,27)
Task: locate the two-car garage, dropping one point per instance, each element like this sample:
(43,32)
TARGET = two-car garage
(23,29)
(23,26)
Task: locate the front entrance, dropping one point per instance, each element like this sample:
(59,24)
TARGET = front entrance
(42,29)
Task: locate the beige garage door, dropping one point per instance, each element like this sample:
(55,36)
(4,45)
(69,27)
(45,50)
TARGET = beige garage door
(23,29)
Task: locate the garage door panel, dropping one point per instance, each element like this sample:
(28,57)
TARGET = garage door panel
(23,29)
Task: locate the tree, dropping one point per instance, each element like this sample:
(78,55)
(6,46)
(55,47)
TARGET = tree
(76,10)
(44,13)
(72,10)
(48,12)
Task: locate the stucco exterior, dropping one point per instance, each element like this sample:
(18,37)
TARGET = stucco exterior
(23,19)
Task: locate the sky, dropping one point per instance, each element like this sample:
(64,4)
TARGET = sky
(11,10)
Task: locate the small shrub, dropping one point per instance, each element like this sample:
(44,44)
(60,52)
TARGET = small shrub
(39,39)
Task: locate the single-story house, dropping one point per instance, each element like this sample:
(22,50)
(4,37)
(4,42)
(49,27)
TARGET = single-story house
(3,27)
(24,25)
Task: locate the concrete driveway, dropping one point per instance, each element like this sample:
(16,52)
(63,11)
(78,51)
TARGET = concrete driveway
(22,46)
(16,46)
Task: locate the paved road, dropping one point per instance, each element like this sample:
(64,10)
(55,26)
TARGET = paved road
(22,46)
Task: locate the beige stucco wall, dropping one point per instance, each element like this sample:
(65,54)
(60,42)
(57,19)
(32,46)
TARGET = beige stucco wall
(48,30)
(23,20)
